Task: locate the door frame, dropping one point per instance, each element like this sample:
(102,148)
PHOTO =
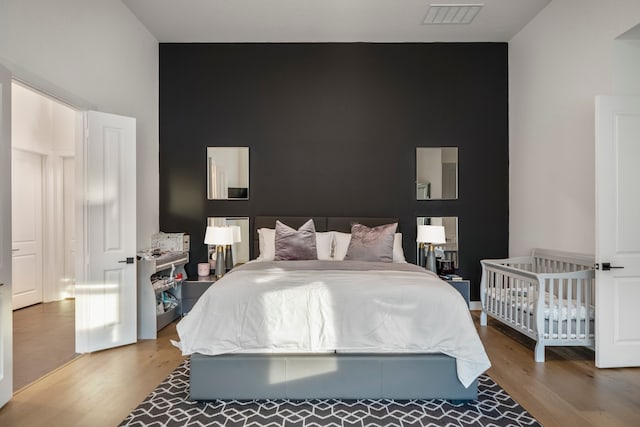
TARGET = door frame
(53,239)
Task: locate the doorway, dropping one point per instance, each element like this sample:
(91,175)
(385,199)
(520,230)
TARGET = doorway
(43,142)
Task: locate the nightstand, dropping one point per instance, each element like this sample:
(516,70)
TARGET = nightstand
(462,286)
(192,289)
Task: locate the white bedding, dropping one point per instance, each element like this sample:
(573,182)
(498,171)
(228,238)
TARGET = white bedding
(326,306)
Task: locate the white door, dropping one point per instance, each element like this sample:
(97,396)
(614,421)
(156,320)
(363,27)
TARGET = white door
(26,229)
(617,231)
(106,276)
(6,310)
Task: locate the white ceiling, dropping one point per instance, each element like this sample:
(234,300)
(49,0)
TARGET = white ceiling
(326,20)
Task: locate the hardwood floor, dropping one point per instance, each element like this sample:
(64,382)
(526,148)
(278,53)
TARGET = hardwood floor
(43,340)
(100,389)
(96,389)
(566,390)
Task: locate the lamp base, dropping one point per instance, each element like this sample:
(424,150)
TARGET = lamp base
(220,269)
(228,258)
(431,259)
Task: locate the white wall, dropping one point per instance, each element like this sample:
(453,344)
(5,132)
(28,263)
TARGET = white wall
(93,54)
(557,64)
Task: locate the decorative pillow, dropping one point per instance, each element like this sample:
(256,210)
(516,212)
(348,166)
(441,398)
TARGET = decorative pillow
(292,244)
(341,245)
(324,245)
(267,244)
(371,244)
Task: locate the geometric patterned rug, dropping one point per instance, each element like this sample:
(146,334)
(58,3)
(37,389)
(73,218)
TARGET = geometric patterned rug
(169,405)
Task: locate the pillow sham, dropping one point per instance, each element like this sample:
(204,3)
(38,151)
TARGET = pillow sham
(371,243)
(341,245)
(324,245)
(292,244)
(267,244)
(398,253)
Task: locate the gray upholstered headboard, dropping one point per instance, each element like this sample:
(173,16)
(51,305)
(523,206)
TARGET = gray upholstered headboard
(322,223)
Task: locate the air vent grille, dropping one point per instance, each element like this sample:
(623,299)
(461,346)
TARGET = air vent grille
(452,13)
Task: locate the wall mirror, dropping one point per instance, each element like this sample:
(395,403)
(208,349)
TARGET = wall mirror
(240,249)
(436,173)
(227,173)
(449,250)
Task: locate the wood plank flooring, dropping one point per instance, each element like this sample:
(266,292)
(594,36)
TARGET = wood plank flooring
(43,340)
(100,389)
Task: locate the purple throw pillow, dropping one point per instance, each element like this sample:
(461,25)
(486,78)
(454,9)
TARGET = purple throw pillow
(371,243)
(292,244)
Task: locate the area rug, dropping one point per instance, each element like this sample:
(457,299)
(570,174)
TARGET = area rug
(169,405)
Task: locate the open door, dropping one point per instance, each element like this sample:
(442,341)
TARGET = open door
(106,227)
(6,310)
(617,231)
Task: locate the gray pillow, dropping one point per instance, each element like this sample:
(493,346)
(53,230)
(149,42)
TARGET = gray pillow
(371,244)
(292,244)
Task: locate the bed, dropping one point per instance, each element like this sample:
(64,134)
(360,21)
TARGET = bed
(548,296)
(330,328)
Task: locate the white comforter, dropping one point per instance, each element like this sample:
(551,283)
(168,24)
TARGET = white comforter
(327,306)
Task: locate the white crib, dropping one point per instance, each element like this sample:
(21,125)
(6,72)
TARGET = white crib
(549,296)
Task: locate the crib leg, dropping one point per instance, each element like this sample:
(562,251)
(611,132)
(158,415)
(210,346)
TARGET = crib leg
(539,352)
(483,318)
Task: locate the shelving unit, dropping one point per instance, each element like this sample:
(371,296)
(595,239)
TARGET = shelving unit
(159,280)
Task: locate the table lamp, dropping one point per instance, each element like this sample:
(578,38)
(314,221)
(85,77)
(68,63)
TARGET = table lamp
(219,236)
(430,235)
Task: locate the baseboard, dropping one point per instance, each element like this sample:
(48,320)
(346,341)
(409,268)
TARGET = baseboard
(475,305)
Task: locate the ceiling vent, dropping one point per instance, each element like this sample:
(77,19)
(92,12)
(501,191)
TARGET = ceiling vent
(452,13)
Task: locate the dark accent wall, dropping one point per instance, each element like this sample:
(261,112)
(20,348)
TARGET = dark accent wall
(332,130)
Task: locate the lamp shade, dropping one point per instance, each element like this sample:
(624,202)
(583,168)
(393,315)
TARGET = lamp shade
(237,235)
(218,236)
(431,234)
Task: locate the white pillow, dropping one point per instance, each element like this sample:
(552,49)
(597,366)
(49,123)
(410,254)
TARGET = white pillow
(341,245)
(267,244)
(324,245)
(398,253)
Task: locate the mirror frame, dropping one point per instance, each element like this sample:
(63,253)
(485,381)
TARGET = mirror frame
(435,185)
(241,177)
(453,251)
(240,250)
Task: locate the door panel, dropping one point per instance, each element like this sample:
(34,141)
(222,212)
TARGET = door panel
(26,198)
(617,231)
(6,310)
(106,284)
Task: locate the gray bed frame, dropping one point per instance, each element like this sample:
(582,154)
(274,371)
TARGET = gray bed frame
(331,375)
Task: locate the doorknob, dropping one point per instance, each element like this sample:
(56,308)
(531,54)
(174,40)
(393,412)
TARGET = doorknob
(129,260)
(606,266)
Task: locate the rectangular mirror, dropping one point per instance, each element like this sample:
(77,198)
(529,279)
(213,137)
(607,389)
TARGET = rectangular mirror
(227,173)
(449,250)
(436,173)
(240,249)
